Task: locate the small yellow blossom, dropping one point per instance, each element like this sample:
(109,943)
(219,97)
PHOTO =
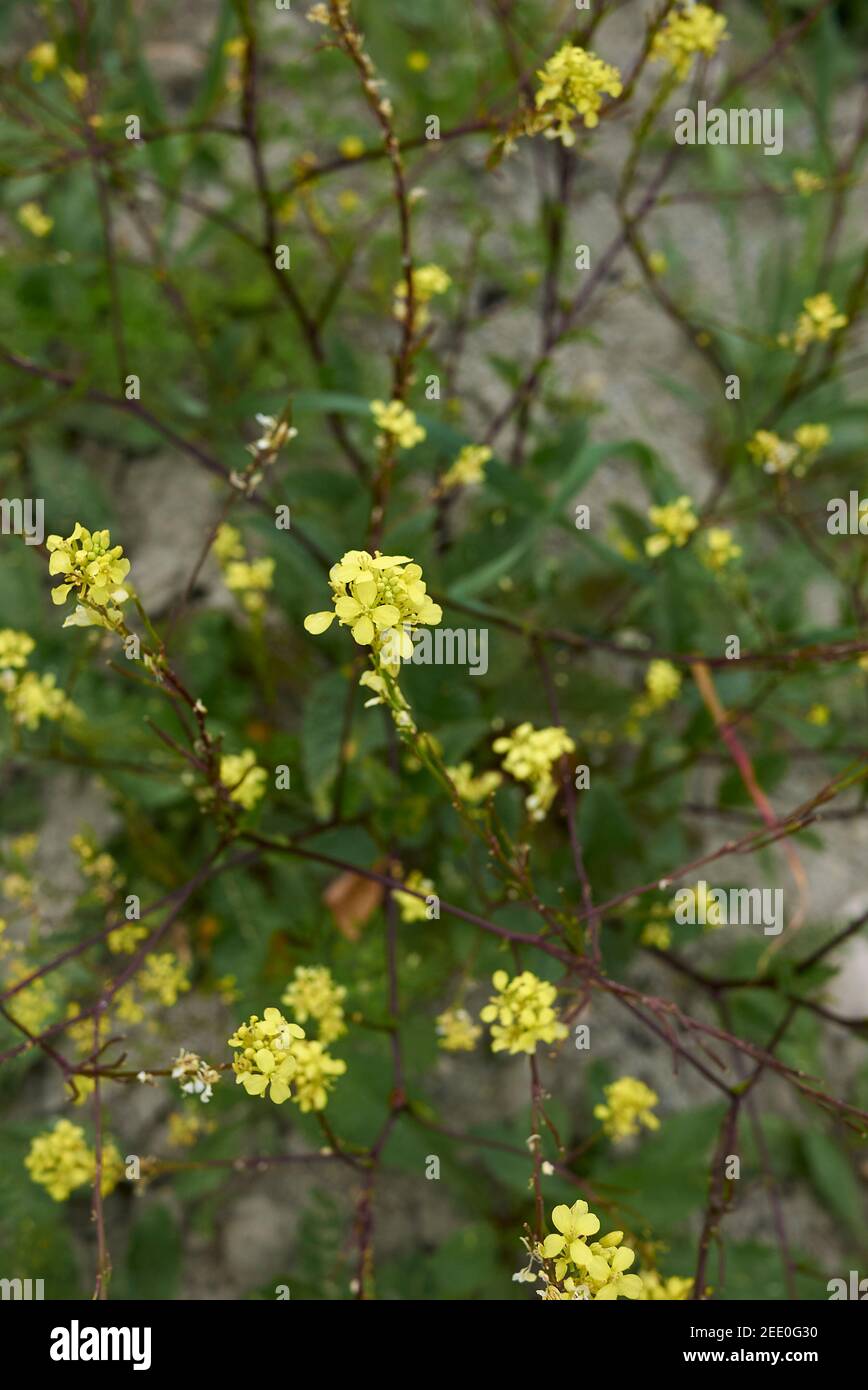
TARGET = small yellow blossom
(34,1006)
(531,754)
(37,222)
(818,715)
(629,1104)
(228,544)
(312,993)
(657,263)
(428,281)
(662,682)
(397,420)
(351,147)
(417,61)
(807,182)
(75,83)
(689,30)
(124,940)
(414,909)
(675,522)
(572,83)
(185,1127)
(42,59)
(244,780)
(811,439)
(32,698)
(720,548)
(456,1031)
(816,324)
(522,1013)
(473,788)
(775,455)
(94,570)
(266,1061)
(657,931)
(469,467)
(15,648)
(60,1161)
(595,1271)
(314,1076)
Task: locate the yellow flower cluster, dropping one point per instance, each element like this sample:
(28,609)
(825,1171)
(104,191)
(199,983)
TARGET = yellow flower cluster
(94,570)
(312,993)
(720,548)
(657,931)
(34,1006)
(776,455)
(629,1104)
(473,788)
(243,779)
(816,324)
(373,594)
(522,1013)
(43,60)
(28,697)
(267,1060)
(60,1161)
(428,281)
(807,182)
(34,220)
(692,29)
(675,522)
(397,420)
(456,1031)
(163,976)
(595,1271)
(662,682)
(314,1076)
(531,754)
(414,909)
(250,579)
(657,1289)
(186,1127)
(572,83)
(469,467)
(97,866)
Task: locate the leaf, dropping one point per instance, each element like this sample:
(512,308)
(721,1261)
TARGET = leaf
(832,1177)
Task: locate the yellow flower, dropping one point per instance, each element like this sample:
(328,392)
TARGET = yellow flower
(807,182)
(572,84)
(457,1031)
(42,60)
(60,1160)
(810,439)
(31,216)
(656,1289)
(414,909)
(163,976)
(32,698)
(531,754)
(351,147)
(94,570)
(469,467)
(720,548)
(521,1013)
(663,682)
(628,1105)
(688,31)
(658,263)
(657,932)
(375,594)
(186,1127)
(819,715)
(34,1006)
(773,453)
(86,1033)
(75,83)
(312,993)
(818,321)
(314,1076)
(228,544)
(244,780)
(417,61)
(428,281)
(473,788)
(582,1270)
(676,523)
(397,420)
(266,1061)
